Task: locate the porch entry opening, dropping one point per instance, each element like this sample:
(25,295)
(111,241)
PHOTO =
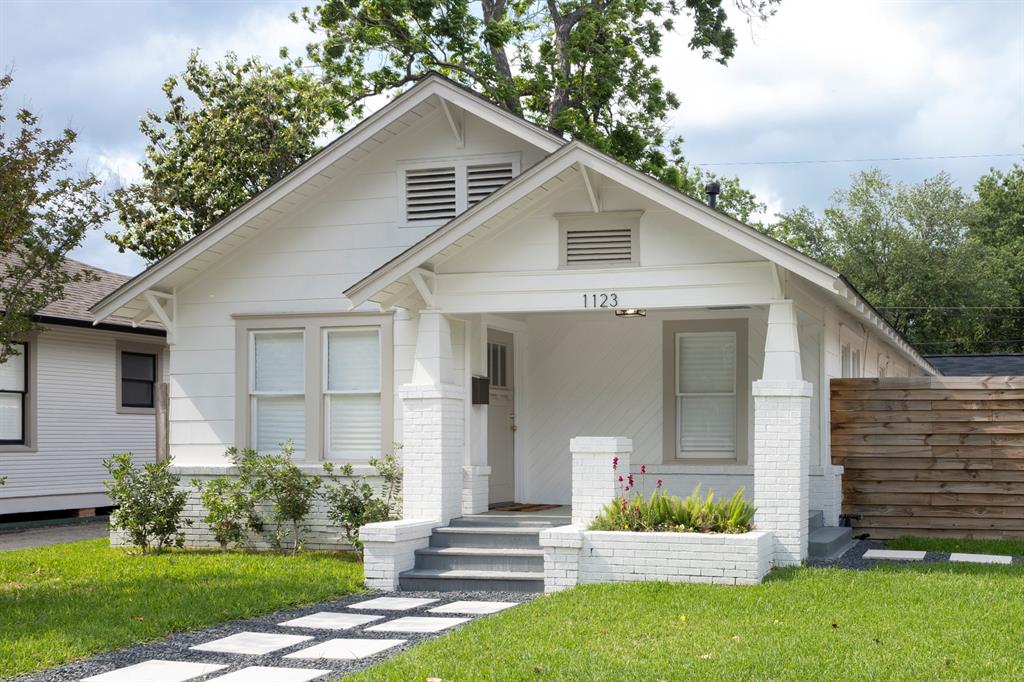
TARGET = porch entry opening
(501,419)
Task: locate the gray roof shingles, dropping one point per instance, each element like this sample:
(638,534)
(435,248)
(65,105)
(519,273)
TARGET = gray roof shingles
(995,364)
(78,297)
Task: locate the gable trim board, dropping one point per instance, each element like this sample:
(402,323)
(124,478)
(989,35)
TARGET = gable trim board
(362,133)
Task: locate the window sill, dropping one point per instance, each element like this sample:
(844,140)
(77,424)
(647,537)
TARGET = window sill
(723,468)
(358,469)
(13,447)
(136,410)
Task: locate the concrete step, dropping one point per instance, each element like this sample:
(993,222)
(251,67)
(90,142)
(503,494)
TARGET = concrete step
(511,519)
(829,542)
(434,580)
(497,537)
(480,559)
(816,518)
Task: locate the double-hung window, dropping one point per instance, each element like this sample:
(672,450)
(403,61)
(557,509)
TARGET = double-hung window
(277,391)
(352,393)
(138,379)
(13,396)
(706,395)
(850,360)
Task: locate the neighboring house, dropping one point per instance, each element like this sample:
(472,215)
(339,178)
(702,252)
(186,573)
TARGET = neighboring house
(76,394)
(352,304)
(992,364)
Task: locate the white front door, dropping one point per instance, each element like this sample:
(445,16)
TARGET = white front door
(501,418)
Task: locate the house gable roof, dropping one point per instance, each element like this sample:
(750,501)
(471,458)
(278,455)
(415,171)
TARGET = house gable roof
(576,155)
(355,144)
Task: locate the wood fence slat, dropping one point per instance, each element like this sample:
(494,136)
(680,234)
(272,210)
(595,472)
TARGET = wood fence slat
(931,456)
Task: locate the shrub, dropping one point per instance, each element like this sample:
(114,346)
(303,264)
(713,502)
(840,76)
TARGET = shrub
(230,510)
(353,503)
(149,503)
(664,512)
(275,479)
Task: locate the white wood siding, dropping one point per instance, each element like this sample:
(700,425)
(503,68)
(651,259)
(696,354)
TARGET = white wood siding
(77,423)
(302,264)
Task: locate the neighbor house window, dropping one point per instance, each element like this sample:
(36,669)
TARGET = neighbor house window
(277,390)
(13,396)
(352,393)
(706,395)
(850,360)
(138,379)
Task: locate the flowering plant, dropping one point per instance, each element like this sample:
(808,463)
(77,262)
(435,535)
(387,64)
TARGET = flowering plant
(663,512)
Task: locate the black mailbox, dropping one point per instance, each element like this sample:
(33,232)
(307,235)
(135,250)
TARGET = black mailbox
(481,390)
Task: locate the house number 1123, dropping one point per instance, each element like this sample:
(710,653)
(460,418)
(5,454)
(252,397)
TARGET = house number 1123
(610,300)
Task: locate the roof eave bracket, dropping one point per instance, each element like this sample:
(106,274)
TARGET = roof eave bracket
(456,120)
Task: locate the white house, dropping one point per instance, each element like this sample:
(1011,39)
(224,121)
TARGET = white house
(75,395)
(351,305)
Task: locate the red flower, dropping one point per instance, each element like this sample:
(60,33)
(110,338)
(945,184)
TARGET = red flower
(620,478)
(615,463)
(643,468)
(626,489)
(630,479)
(658,484)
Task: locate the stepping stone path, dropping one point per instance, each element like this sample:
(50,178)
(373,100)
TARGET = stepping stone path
(297,646)
(895,554)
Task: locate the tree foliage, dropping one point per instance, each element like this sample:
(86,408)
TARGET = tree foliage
(230,130)
(582,68)
(910,250)
(44,214)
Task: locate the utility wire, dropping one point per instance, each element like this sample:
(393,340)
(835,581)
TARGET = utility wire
(872,160)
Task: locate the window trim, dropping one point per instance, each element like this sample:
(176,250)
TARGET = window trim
(606,220)
(312,324)
(140,349)
(25,440)
(460,164)
(254,395)
(670,376)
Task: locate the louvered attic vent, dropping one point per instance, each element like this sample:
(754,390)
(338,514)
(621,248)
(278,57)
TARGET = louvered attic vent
(598,247)
(482,181)
(430,194)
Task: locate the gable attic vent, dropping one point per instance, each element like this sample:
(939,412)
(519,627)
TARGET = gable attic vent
(430,194)
(598,246)
(598,239)
(482,181)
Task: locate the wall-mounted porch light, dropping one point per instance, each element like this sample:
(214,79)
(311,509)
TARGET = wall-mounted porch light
(630,312)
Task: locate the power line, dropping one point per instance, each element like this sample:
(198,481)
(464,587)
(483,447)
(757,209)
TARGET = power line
(871,160)
(950,307)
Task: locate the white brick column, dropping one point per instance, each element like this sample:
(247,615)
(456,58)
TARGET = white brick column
(782,439)
(594,476)
(562,546)
(389,548)
(433,427)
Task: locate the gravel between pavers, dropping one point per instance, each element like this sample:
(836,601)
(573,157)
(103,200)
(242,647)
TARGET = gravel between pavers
(854,559)
(176,646)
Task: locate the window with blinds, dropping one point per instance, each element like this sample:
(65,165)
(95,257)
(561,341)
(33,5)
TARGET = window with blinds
(13,391)
(598,247)
(706,395)
(277,390)
(483,180)
(430,194)
(352,394)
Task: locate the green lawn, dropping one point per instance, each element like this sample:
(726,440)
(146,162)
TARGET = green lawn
(68,601)
(1012,547)
(894,622)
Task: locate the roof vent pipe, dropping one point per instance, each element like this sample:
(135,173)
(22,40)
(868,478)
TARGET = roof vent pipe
(712,189)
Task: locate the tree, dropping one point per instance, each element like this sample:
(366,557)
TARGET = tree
(44,214)
(581,68)
(251,124)
(908,250)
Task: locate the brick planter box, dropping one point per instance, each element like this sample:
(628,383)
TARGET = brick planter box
(573,555)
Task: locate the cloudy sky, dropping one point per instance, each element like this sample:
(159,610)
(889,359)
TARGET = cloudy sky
(822,80)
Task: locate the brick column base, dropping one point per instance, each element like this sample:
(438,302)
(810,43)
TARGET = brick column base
(432,451)
(594,479)
(782,447)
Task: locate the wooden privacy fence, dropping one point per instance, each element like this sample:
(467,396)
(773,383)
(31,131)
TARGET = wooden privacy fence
(931,456)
